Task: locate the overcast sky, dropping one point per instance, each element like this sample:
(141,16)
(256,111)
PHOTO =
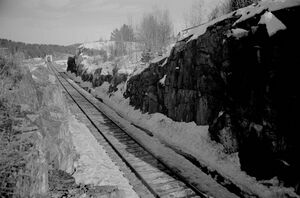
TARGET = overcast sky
(74,21)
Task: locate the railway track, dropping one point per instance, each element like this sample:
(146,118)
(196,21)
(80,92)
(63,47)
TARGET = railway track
(158,178)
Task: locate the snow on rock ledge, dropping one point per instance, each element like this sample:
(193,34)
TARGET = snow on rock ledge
(273,24)
(243,15)
(244,64)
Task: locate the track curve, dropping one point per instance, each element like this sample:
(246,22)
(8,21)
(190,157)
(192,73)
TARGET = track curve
(159,179)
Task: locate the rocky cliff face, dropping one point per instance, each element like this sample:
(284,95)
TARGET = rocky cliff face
(97,76)
(237,74)
(41,124)
(53,121)
(239,77)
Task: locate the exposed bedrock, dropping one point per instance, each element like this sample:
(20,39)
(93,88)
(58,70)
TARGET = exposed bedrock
(43,139)
(96,77)
(99,79)
(71,65)
(241,79)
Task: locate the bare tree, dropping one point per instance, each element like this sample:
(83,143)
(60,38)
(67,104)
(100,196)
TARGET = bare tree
(165,28)
(223,8)
(236,4)
(193,16)
(155,30)
(123,37)
(229,6)
(125,33)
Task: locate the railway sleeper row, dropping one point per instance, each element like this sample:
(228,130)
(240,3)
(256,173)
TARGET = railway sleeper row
(157,177)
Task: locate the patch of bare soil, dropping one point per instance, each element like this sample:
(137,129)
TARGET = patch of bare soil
(62,184)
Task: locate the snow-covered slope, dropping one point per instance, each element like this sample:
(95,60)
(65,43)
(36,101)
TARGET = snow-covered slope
(192,139)
(127,64)
(97,45)
(109,45)
(244,13)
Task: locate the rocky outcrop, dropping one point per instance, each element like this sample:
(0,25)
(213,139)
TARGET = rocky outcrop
(99,79)
(71,65)
(41,127)
(239,76)
(96,77)
(145,91)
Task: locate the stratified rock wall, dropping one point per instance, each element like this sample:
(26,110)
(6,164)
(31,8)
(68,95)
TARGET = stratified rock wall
(193,89)
(43,118)
(240,78)
(145,91)
(97,77)
(237,74)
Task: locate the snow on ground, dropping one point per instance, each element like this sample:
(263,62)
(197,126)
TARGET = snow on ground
(94,166)
(63,63)
(189,138)
(127,64)
(91,63)
(186,168)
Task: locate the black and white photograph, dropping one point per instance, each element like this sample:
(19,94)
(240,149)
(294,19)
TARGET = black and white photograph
(149,98)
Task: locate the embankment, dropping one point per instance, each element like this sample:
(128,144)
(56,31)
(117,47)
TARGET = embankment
(36,129)
(237,74)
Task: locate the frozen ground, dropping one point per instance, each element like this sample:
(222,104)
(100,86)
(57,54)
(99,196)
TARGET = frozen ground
(125,64)
(191,139)
(129,64)
(186,168)
(94,166)
(62,63)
